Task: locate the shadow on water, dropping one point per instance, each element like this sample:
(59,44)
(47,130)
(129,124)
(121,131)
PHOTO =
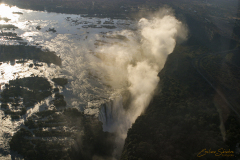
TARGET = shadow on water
(7,26)
(5,19)
(10,36)
(30,89)
(11,53)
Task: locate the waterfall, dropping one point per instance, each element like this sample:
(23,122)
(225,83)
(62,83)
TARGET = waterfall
(109,113)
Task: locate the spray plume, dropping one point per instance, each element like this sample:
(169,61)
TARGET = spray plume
(134,64)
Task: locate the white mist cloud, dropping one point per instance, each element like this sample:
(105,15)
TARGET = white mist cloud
(158,40)
(134,65)
(143,80)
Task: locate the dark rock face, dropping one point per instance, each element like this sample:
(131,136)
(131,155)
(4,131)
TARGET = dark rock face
(77,137)
(182,118)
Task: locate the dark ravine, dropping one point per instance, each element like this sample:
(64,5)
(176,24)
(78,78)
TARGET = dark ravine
(180,121)
(182,118)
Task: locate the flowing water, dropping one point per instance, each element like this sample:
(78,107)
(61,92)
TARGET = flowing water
(74,41)
(102,58)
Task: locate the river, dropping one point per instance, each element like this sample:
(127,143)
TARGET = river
(75,39)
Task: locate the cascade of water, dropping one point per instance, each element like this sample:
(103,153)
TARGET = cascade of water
(110,113)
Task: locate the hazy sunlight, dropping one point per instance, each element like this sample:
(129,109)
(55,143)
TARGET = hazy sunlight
(6,12)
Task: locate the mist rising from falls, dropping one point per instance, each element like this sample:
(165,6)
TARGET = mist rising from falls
(134,64)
